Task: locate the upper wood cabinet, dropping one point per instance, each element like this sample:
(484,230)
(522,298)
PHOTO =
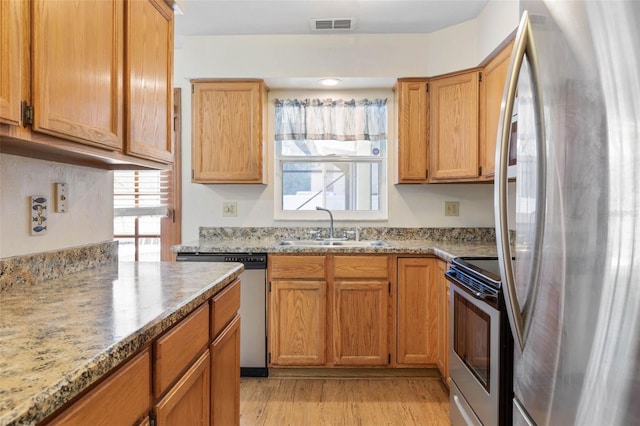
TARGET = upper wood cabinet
(453,113)
(148,82)
(87,82)
(412,108)
(14,67)
(227,131)
(77,53)
(494,75)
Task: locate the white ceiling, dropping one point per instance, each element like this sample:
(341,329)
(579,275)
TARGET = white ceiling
(262,17)
(235,17)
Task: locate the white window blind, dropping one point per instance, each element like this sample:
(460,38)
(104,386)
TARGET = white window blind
(141,192)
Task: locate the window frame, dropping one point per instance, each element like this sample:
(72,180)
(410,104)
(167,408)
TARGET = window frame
(385,159)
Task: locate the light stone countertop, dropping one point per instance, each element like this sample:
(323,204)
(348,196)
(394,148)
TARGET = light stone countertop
(57,337)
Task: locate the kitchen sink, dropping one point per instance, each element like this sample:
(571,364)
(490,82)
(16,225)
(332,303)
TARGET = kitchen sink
(331,243)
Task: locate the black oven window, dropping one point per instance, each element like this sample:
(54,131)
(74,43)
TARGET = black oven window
(472,338)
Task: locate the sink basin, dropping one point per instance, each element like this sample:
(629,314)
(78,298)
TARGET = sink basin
(331,243)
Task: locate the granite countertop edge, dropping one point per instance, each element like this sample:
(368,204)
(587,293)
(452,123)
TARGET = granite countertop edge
(50,399)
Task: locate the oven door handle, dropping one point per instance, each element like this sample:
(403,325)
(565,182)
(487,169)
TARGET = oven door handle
(520,315)
(485,296)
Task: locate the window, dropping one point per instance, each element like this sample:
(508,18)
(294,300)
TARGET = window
(331,154)
(140,202)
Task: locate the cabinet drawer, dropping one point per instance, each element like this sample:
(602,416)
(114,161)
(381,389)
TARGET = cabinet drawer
(177,348)
(122,399)
(361,267)
(224,307)
(311,267)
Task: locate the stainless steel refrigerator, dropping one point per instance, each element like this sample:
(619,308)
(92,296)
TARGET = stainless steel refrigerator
(568,226)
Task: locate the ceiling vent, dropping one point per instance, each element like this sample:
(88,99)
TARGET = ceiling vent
(332,24)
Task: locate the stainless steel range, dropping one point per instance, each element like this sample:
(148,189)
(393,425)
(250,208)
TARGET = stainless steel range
(481,346)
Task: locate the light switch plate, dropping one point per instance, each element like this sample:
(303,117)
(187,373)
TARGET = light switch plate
(61,198)
(38,215)
(229,209)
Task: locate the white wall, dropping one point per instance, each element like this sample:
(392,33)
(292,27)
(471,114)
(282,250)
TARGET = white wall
(497,20)
(90,216)
(314,56)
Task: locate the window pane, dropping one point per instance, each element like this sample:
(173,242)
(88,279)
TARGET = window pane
(124,225)
(149,249)
(126,249)
(338,185)
(149,225)
(318,148)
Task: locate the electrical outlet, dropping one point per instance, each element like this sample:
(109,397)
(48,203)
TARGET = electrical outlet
(229,209)
(452,208)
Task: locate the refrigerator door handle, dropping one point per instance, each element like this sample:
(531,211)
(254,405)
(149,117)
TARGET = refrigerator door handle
(520,316)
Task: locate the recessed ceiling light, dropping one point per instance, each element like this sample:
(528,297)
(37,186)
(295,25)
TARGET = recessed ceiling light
(330,81)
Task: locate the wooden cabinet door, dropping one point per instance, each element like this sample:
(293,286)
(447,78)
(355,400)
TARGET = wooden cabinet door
(227,134)
(443,362)
(148,82)
(453,111)
(361,323)
(297,312)
(122,399)
(413,131)
(225,376)
(188,402)
(418,339)
(77,77)
(14,67)
(494,76)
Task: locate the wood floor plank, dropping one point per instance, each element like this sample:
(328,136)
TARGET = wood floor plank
(343,402)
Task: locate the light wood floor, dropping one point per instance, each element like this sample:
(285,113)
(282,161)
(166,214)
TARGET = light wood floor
(403,401)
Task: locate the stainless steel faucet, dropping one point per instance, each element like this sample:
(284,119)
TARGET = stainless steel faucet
(331,218)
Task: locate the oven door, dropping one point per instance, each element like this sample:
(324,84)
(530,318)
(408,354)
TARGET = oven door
(474,359)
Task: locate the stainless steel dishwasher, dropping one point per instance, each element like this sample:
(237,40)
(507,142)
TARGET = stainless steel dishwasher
(253,307)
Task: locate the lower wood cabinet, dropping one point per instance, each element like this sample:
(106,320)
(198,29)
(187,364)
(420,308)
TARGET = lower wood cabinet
(423,313)
(443,364)
(193,377)
(225,376)
(418,312)
(177,348)
(188,401)
(331,310)
(361,323)
(297,324)
(123,398)
(352,310)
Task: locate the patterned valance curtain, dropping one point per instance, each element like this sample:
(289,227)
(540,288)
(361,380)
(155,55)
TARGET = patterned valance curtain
(315,119)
